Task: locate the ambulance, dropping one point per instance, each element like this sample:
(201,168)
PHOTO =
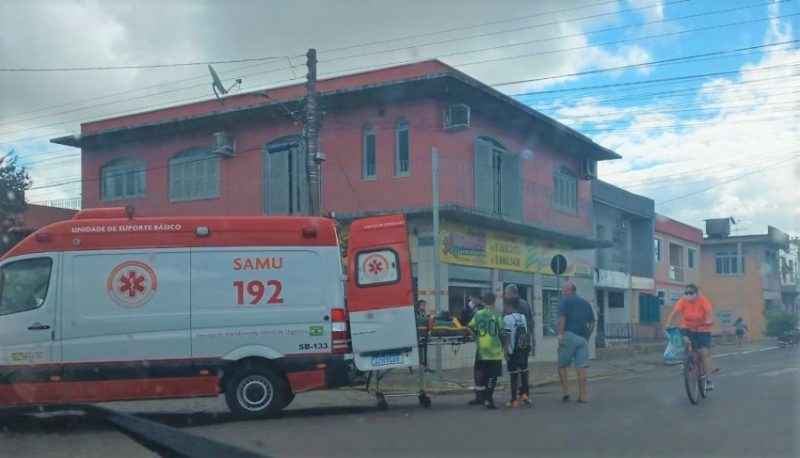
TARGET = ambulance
(113,306)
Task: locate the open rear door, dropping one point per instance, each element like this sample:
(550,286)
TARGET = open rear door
(380,300)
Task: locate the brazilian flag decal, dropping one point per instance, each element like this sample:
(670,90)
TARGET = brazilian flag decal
(316,331)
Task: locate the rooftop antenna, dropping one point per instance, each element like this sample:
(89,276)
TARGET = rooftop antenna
(216,84)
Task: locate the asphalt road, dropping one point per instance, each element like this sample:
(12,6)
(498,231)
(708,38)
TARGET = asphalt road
(755,411)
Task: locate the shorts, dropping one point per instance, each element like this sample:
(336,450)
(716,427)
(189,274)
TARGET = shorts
(517,362)
(489,368)
(699,339)
(740,333)
(574,350)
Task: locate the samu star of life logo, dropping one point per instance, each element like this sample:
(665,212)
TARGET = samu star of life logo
(132,284)
(375,267)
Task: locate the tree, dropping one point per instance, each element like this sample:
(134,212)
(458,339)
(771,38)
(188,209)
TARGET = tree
(14,181)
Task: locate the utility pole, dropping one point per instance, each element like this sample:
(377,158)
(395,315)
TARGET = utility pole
(314,156)
(437,281)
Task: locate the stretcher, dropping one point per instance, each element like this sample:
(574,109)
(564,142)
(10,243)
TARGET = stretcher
(450,333)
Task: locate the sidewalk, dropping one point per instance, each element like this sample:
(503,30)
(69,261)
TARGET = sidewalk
(613,361)
(609,362)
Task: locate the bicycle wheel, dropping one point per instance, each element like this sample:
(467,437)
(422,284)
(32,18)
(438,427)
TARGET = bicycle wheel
(701,378)
(691,380)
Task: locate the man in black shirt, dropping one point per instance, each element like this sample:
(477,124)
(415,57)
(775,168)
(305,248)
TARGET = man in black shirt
(576,322)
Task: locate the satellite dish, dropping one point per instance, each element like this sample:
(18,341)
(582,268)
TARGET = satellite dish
(216,84)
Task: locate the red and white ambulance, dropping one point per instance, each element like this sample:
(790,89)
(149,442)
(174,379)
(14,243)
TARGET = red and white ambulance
(113,306)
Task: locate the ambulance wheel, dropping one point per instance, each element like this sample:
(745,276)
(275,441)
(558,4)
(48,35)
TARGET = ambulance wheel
(255,392)
(424,400)
(382,405)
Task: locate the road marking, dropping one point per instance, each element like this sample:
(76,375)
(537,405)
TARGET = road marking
(746,352)
(780,372)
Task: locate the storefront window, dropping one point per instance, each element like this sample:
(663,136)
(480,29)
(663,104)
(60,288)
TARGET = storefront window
(550,312)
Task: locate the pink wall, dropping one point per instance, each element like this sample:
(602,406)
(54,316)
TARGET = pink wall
(344,189)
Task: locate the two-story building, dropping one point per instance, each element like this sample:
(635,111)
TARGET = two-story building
(790,276)
(742,274)
(624,271)
(677,253)
(514,185)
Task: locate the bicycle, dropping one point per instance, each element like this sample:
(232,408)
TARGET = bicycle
(694,375)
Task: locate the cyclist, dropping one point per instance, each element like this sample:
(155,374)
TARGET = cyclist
(697,317)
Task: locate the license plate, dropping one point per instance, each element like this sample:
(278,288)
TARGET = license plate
(385,360)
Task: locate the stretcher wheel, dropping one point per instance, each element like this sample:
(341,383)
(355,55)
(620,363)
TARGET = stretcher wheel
(424,400)
(382,405)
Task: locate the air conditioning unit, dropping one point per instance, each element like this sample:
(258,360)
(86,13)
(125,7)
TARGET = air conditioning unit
(224,144)
(589,169)
(456,117)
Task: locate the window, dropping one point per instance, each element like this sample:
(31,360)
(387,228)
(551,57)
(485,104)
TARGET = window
(692,258)
(565,190)
(402,165)
(661,297)
(498,179)
(377,268)
(658,251)
(727,264)
(23,285)
(193,175)
(369,159)
(284,183)
(122,179)
(550,312)
(616,299)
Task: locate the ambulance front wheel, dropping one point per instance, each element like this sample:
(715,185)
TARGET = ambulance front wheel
(255,392)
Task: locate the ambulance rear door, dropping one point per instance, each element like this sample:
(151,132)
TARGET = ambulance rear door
(380,300)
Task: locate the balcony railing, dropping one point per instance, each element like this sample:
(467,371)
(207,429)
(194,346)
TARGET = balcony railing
(677,274)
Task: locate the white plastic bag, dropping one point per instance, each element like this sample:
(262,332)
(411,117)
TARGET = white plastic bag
(676,350)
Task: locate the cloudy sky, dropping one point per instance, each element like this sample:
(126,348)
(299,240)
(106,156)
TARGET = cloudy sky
(699,96)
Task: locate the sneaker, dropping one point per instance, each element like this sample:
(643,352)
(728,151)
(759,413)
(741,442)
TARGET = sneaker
(512,403)
(710,385)
(490,405)
(526,399)
(475,402)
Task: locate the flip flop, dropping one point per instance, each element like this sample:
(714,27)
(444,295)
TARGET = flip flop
(581,401)
(565,398)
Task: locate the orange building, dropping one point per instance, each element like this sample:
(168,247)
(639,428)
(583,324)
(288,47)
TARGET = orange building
(741,276)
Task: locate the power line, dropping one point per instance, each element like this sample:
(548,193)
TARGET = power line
(135,67)
(468,52)
(456,29)
(723,182)
(517,29)
(716,54)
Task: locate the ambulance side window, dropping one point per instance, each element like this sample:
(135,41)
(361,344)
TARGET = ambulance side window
(24,285)
(377,267)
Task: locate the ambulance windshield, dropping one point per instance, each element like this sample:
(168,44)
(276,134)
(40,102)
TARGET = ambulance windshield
(23,285)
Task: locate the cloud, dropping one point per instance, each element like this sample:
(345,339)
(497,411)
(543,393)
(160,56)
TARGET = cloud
(651,14)
(738,157)
(40,106)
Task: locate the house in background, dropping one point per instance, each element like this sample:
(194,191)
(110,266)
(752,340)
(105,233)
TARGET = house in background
(35,217)
(677,252)
(514,188)
(790,276)
(742,274)
(624,274)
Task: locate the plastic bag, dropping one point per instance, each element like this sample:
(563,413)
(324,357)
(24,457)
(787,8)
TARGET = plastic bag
(676,350)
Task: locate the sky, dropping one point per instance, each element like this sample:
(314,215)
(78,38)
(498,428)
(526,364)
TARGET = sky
(700,97)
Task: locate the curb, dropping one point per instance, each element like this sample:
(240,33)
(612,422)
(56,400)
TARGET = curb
(461,389)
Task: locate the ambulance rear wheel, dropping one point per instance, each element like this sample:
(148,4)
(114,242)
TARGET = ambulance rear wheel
(255,392)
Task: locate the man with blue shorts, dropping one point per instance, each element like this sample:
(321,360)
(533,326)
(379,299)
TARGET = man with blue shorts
(576,321)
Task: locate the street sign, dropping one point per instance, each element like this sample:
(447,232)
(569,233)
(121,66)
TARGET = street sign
(558,264)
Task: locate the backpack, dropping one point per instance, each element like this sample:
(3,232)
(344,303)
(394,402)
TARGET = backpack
(521,341)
